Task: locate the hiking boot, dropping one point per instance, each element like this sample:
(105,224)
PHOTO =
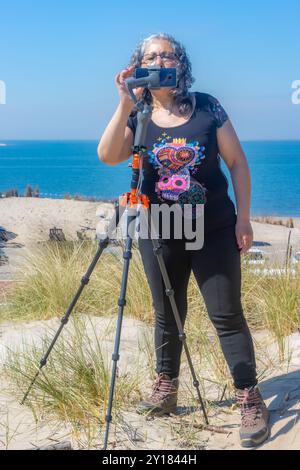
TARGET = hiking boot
(163,399)
(254,428)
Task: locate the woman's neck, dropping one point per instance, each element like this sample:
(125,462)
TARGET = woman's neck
(162,102)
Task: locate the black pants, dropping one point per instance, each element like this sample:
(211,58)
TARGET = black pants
(217,269)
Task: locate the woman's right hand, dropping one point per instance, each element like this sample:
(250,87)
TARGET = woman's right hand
(125,98)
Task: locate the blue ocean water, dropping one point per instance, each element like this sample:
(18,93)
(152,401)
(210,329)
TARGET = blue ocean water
(59,167)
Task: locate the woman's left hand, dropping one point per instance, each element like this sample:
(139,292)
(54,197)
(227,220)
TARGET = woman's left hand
(244,235)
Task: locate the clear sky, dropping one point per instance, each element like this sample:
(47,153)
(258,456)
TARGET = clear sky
(58,59)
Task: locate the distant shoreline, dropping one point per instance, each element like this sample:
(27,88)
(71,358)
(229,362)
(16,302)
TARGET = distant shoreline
(58,197)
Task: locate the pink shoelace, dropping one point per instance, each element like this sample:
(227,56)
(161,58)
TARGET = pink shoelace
(161,388)
(250,402)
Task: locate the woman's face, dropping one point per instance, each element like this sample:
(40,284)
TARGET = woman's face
(159,53)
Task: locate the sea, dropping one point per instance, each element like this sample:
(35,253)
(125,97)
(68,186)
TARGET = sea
(68,168)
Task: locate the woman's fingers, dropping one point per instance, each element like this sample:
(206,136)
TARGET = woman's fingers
(246,243)
(126,73)
(244,236)
(120,83)
(121,77)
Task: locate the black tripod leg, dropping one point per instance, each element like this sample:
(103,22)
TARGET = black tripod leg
(157,248)
(182,336)
(121,303)
(84,281)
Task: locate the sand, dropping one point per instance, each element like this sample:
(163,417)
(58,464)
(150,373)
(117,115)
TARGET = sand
(280,389)
(28,221)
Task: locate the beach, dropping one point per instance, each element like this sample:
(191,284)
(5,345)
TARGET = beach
(29,221)
(280,389)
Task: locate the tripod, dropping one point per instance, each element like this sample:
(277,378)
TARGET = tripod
(130,200)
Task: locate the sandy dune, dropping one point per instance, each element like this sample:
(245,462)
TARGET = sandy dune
(281,390)
(30,219)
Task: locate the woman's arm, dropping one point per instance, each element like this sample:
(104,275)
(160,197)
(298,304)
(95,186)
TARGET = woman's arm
(232,153)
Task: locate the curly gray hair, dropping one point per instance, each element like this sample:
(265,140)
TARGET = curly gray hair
(185,79)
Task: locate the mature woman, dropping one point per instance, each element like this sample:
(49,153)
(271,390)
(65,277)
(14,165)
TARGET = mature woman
(186,136)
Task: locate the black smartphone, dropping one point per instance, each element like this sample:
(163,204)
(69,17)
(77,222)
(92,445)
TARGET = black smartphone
(167,77)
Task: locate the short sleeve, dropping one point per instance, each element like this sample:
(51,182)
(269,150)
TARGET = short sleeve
(218,111)
(131,123)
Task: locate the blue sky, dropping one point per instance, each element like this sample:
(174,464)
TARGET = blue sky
(58,60)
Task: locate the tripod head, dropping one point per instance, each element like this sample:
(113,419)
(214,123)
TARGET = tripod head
(152,80)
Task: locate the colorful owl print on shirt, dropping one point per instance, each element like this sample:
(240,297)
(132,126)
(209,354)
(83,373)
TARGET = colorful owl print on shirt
(176,161)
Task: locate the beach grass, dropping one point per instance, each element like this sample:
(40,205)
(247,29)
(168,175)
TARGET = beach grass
(52,274)
(74,386)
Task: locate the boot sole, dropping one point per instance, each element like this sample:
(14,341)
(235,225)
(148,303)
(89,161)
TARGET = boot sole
(156,412)
(252,442)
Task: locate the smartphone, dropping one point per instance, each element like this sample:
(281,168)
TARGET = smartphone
(167,77)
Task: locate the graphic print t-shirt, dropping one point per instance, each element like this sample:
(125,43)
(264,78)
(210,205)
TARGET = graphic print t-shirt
(182,164)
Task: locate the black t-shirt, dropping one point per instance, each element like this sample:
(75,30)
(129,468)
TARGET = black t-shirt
(182,164)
